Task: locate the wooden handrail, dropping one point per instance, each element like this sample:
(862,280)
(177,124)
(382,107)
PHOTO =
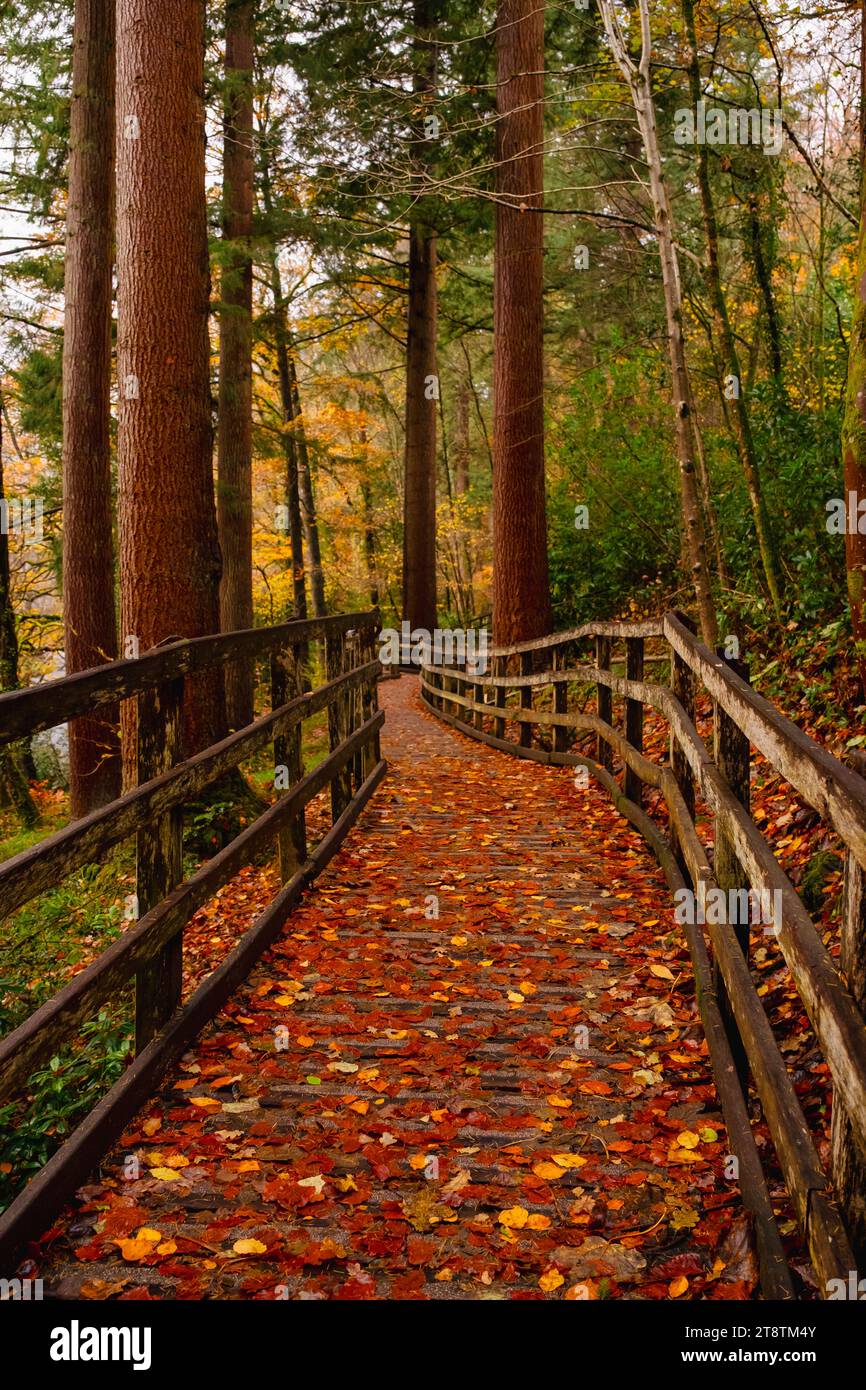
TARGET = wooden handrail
(149,951)
(50,703)
(733,1014)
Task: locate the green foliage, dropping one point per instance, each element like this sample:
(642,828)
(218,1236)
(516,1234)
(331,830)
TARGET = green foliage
(59,1096)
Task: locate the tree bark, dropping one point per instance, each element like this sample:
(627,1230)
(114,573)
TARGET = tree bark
(521,587)
(170,558)
(854,449)
(725,337)
(637,76)
(88,546)
(309,516)
(13,783)
(235,451)
(419,486)
(290,441)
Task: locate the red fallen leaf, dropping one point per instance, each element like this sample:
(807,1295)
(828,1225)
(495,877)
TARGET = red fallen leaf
(356,1290)
(420,1251)
(595,1088)
(678,1265)
(409,1285)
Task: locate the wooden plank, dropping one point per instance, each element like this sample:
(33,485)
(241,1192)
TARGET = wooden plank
(286,685)
(654,628)
(603,701)
(731,753)
(37,869)
(500,669)
(341,785)
(42,1033)
(634,654)
(832,1012)
(44,706)
(34,1208)
(835,791)
(158,856)
(525,693)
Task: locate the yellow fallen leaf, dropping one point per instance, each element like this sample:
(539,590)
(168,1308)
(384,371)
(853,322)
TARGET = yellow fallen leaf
(514,997)
(514,1218)
(459,941)
(148,1233)
(304,1041)
(538,1221)
(418,1161)
(551,1280)
(168,1247)
(249,1247)
(204,1102)
(560,1102)
(661,972)
(151,1126)
(528,987)
(569,1160)
(165,1174)
(688,1140)
(549,1171)
(677,1287)
(135,1249)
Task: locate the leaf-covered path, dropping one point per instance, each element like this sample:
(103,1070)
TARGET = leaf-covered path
(511,1099)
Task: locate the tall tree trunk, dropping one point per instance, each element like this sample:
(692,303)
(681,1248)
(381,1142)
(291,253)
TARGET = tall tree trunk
(419,487)
(290,441)
(854,448)
(369,530)
(235,451)
(170,557)
(725,337)
(13,783)
(521,586)
(309,516)
(88,547)
(461,439)
(637,76)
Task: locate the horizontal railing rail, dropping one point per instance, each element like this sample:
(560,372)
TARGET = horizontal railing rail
(150,951)
(829,1207)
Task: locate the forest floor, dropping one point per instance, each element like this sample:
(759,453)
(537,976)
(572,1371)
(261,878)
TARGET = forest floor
(511,1099)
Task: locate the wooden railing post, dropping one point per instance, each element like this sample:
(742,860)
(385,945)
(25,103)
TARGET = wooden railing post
(369,700)
(560,701)
(732,757)
(286,683)
(500,669)
(159,855)
(634,715)
(848,1162)
(683,690)
(603,701)
(341,784)
(526,698)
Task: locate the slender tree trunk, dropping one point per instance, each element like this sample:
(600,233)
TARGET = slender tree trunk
(369,531)
(308,503)
(521,586)
(419,489)
(461,439)
(854,448)
(765,285)
(235,453)
(725,338)
(290,441)
(88,546)
(13,783)
(170,558)
(637,76)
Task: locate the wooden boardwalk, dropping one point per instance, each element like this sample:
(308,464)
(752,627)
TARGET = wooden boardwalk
(511,1099)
